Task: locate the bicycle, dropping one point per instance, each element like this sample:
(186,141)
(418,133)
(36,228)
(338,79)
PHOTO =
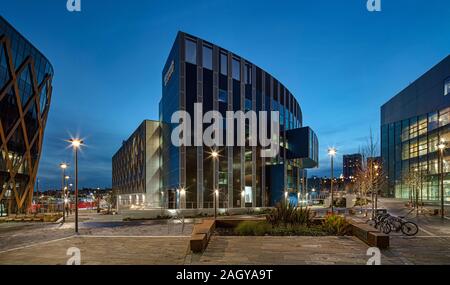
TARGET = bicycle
(397,224)
(378,220)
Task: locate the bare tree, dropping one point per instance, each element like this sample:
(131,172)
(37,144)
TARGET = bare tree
(370,177)
(414,178)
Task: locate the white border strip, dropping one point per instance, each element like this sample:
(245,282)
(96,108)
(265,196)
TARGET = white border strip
(427,232)
(35,244)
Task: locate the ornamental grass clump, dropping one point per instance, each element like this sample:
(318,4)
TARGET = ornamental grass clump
(289,215)
(253,228)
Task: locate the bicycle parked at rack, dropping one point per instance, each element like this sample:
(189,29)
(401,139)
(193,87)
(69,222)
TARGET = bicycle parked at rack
(387,223)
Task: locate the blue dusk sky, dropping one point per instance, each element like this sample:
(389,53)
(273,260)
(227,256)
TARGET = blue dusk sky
(339,60)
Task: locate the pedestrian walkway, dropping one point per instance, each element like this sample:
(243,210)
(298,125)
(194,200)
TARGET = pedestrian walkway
(103,250)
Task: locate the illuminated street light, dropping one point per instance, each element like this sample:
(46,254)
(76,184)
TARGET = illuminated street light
(98,199)
(76,144)
(215,157)
(216,199)
(181,192)
(332,153)
(442,146)
(63,167)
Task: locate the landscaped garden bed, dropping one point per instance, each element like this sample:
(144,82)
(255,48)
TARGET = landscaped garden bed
(288,220)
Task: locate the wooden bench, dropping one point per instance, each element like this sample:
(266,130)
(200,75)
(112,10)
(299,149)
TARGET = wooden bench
(201,235)
(369,235)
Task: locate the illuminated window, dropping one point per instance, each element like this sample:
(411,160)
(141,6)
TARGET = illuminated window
(423,125)
(444,117)
(413,148)
(413,128)
(432,121)
(423,146)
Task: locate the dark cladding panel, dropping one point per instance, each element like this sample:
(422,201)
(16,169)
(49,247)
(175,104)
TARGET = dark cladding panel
(423,96)
(303,144)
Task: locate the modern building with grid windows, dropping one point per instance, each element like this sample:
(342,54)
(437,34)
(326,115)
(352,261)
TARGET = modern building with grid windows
(413,124)
(25,93)
(198,71)
(136,168)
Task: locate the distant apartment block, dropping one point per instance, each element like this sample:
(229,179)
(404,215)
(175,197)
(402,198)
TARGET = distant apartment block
(352,163)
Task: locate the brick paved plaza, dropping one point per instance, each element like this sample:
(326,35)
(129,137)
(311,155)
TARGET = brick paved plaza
(111,241)
(167,250)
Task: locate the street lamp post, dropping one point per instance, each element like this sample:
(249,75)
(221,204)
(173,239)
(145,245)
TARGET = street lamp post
(442,146)
(98,200)
(376,167)
(215,156)
(76,144)
(63,167)
(332,153)
(66,194)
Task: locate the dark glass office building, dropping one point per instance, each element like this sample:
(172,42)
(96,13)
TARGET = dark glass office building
(25,93)
(198,71)
(413,123)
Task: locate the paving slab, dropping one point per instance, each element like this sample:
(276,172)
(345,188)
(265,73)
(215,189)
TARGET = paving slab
(104,251)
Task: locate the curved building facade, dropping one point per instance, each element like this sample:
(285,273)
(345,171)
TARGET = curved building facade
(25,93)
(198,71)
